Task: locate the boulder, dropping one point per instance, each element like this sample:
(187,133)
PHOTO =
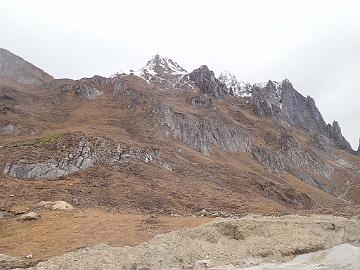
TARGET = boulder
(8,129)
(57,205)
(30,216)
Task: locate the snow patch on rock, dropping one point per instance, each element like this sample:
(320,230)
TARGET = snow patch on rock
(235,87)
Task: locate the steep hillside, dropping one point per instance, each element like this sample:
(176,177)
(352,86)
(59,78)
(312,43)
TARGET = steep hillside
(164,140)
(17,69)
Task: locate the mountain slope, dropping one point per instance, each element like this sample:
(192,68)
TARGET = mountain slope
(174,142)
(17,69)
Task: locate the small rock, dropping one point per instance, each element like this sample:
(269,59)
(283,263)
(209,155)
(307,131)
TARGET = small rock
(28,256)
(30,216)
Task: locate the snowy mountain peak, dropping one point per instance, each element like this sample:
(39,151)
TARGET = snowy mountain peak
(235,87)
(160,65)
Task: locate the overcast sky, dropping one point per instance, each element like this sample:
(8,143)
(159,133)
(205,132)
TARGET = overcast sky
(315,44)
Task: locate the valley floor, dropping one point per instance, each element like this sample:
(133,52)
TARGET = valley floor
(58,232)
(98,239)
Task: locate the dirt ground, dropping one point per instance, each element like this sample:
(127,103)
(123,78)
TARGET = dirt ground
(58,232)
(237,242)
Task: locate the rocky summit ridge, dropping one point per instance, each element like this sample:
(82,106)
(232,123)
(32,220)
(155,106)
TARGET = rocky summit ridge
(190,138)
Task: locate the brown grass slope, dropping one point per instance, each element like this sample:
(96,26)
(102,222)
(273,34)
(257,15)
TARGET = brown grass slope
(233,182)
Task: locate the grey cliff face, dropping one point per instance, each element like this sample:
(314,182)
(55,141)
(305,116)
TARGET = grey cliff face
(290,156)
(201,133)
(206,81)
(17,69)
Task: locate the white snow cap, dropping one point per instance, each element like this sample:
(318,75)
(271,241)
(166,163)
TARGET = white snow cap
(159,64)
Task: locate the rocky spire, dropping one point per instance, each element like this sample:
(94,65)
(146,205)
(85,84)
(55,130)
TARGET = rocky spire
(338,138)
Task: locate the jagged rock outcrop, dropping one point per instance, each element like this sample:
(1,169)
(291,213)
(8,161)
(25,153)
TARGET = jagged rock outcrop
(290,156)
(337,137)
(87,154)
(358,151)
(282,102)
(83,158)
(17,69)
(206,81)
(86,90)
(267,99)
(203,132)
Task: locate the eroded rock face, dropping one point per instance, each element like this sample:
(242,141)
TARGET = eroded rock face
(203,132)
(88,153)
(206,81)
(86,90)
(294,158)
(83,158)
(8,129)
(202,101)
(324,143)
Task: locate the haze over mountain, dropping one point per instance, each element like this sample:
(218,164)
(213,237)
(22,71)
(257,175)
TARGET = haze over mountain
(316,49)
